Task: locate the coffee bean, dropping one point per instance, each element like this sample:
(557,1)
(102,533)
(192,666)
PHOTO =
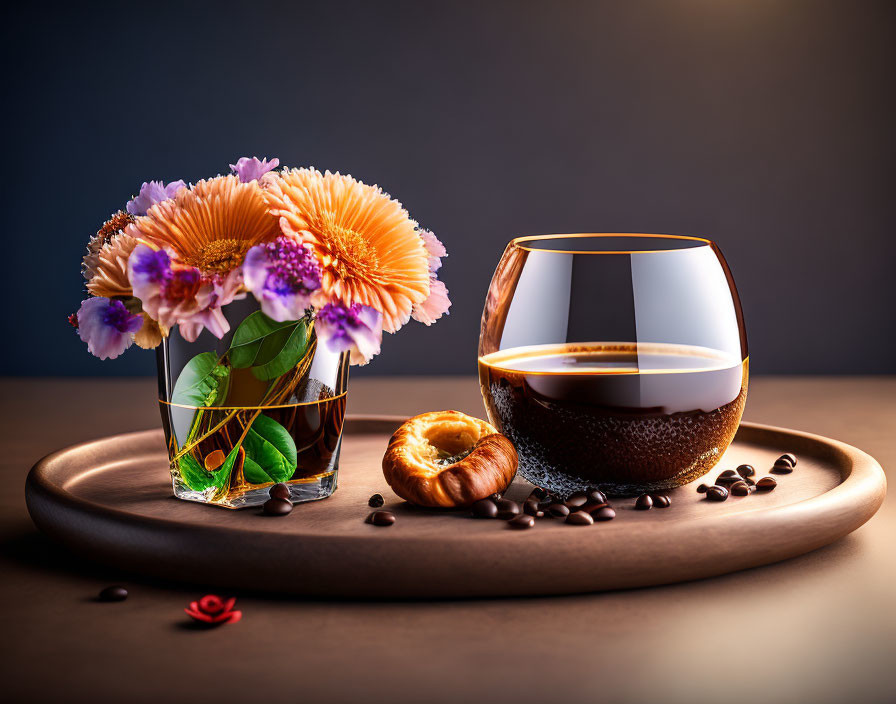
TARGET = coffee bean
(579,518)
(507,509)
(596,496)
(727,479)
(114,593)
(277,507)
(661,500)
(558,511)
(749,481)
(746,470)
(740,488)
(381,518)
(782,466)
(789,457)
(376,501)
(484,508)
(644,502)
(605,513)
(703,488)
(728,473)
(545,504)
(279,491)
(521,522)
(579,498)
(717,493)
(539,493)
(766,484)
(591,507)
(496,496)
(530,507)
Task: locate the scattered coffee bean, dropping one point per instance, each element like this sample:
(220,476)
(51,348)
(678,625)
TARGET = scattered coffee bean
(376,501)
(703,488)
(277,507)
(740,488)
(661,500)
(644,502)
(596,496)
(727,479)
(381,518)
(604,513)
(484,508)
(558,511)
(717,493)
(521,522)
(579,498)
(591,507)
(114,593)
(746,470)
(507,509)
(530,507)
(545,504)
(279,491)
(782,466)
(766,484)
(749,481)
(789,457)
(728,473)
(579,518)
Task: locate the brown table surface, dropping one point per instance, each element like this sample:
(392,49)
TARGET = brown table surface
(819,628)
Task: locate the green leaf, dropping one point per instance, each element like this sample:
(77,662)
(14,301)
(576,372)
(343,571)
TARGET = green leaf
(200,381)
(270,452)
(289,355)
(199,479)
(258,340)
(222,474)
(193,474)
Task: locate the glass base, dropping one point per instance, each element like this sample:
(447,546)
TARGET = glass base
(301,490)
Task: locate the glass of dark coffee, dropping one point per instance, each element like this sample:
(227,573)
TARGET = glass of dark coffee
(616,361)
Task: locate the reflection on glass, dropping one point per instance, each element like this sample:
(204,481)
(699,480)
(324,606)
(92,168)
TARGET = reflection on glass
(617,361)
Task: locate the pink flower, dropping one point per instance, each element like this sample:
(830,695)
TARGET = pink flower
(181,296)
(106,326)
(435,250)
(214,610)
(434,306)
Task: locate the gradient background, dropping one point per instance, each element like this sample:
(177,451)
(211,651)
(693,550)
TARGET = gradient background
(764,125)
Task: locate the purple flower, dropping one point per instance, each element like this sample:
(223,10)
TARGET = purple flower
(434,306)
(357,328)
(107,326)
(181,295)
(435,250)
(153,192)
(282,275)
(251,169)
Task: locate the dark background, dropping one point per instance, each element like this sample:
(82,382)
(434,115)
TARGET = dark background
(767,126)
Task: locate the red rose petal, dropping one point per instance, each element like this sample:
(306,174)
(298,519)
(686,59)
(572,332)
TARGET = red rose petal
(199,616)
(214,610)
(211,604)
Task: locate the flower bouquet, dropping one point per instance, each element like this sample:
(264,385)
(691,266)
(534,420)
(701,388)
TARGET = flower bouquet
(258,289)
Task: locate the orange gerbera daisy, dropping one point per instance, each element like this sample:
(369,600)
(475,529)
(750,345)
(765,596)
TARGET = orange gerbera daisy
(368,247)
(110,267)
(211,225)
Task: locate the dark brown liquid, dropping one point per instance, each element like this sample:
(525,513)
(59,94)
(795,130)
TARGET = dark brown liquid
(315,426)
(625,417)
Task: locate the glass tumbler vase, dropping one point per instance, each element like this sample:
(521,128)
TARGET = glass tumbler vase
(261,406)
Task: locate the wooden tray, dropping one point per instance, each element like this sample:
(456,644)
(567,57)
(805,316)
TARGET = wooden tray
(111,501)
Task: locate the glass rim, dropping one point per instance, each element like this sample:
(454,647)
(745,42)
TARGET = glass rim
(520,242)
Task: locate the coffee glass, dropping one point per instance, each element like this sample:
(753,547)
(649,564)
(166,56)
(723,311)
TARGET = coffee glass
(616,361)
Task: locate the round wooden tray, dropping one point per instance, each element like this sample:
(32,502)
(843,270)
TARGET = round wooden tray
(111,501)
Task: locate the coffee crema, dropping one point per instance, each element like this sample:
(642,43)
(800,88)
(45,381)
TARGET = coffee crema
(627,417)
